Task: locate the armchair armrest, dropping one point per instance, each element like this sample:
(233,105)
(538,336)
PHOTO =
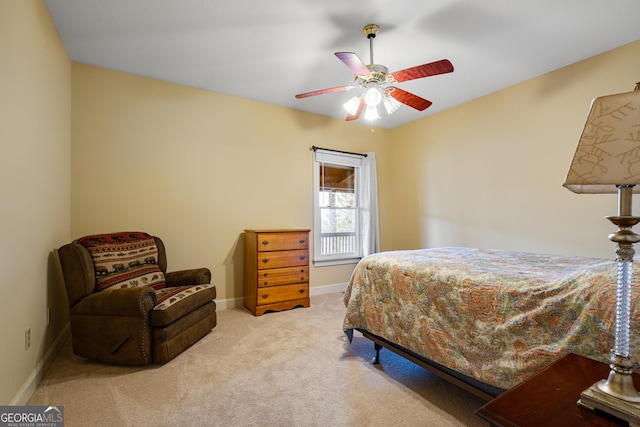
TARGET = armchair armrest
(134,302)
(196,276)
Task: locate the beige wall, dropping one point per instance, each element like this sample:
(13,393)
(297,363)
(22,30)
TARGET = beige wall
(35,88)
(489,173)
(197,168)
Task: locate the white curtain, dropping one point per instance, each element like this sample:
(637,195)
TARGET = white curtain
(370,231)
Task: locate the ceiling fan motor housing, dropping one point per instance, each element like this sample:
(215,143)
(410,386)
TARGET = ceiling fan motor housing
(377,76)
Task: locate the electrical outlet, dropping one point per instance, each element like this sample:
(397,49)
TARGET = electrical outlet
(27,339)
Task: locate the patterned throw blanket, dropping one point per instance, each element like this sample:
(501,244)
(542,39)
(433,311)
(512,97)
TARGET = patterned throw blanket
(124,260)
(129,260)
(496,316)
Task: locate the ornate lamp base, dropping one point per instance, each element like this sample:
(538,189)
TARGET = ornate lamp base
(617,395)
(594,398)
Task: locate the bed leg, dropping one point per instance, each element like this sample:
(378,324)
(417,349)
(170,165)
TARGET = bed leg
(376,358)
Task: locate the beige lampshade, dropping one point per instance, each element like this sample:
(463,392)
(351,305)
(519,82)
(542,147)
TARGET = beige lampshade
(608,152)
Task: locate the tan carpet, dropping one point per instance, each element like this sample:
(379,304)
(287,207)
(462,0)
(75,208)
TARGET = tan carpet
(293,368)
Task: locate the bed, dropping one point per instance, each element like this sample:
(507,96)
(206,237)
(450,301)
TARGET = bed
(486,319)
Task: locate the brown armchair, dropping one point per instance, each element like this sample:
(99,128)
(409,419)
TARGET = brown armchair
(125,308)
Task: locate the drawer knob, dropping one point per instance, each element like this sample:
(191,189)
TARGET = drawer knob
(265,283)
(265,296)
(265,260)
(301,241)
(265,242)
(301,257)
(301,291)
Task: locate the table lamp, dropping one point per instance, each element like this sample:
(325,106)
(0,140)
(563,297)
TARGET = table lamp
(607,160)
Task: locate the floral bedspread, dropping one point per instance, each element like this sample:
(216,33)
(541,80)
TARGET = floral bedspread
(496,316)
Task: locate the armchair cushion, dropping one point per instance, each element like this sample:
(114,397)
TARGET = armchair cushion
(124,260)
(196,276)
(175,302)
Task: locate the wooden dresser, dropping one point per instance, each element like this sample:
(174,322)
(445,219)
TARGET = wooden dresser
(276,270)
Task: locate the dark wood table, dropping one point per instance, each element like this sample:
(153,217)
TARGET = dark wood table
(549,397)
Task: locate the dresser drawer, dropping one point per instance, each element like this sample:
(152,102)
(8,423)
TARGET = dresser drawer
(282,293)
(283,276)
(282,241)
(279,259)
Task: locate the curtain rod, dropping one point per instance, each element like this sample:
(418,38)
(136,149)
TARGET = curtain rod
(314,148)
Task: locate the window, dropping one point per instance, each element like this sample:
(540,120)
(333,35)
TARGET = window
(340,208)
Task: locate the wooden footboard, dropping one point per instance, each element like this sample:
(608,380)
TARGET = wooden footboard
(475,387)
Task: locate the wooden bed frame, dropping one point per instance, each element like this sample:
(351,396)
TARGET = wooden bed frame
(473,386)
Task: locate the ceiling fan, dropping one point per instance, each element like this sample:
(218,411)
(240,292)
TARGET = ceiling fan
(377,82)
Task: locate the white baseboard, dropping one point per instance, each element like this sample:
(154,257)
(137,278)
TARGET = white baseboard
(224,304)
(314,290)
(328,289)
(29,387)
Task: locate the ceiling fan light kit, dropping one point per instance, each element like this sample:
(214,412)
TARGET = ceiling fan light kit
(352,105)
(371,113)
(372,97)
(390,104)
(374,78)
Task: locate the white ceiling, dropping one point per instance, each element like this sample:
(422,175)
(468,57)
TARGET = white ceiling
(270,51)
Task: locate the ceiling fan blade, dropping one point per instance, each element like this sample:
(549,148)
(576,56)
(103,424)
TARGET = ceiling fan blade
(356,116)
(409,99)
(323,91)
(431,69)
(352,61)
